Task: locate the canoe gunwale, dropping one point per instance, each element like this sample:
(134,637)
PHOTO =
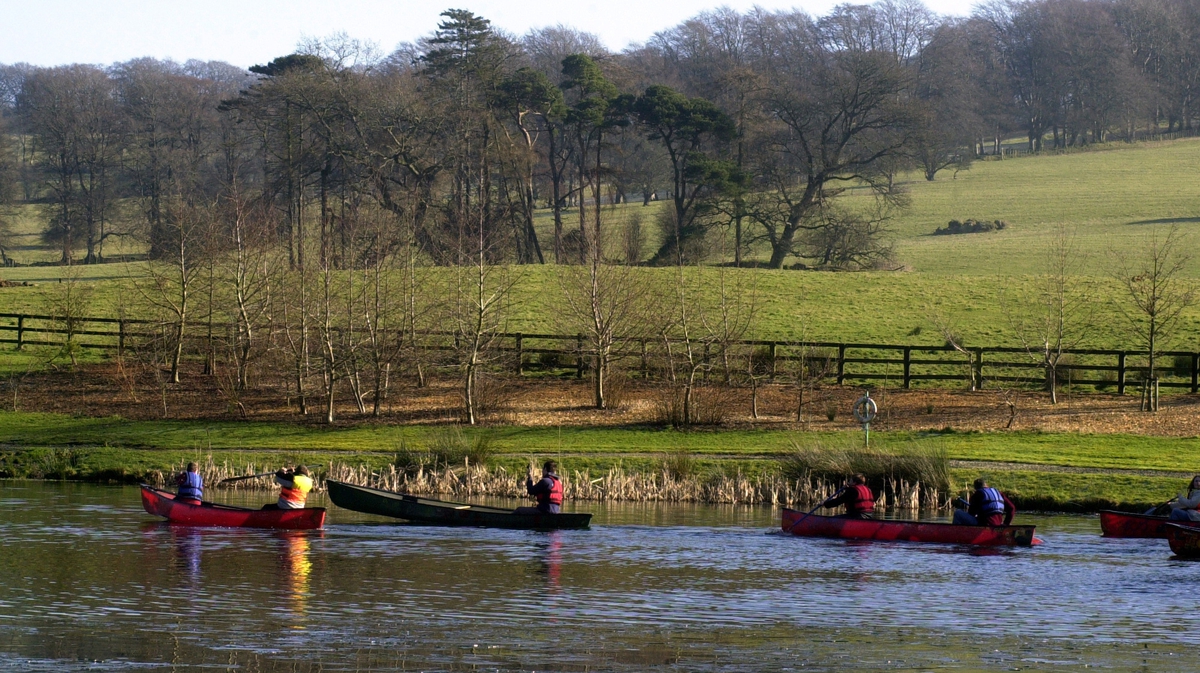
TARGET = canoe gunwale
(905,530)
(160,502)
(432,511)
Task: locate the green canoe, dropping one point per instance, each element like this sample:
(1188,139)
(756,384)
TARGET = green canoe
(442,513)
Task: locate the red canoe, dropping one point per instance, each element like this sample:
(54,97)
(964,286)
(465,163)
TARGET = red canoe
(1185,540)
(1124,524)
(162,503)
(909,531)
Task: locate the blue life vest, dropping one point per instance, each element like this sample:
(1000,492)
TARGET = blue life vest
(191,487)
(993,502)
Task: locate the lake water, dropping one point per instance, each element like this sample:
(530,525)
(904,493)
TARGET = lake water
(90,582)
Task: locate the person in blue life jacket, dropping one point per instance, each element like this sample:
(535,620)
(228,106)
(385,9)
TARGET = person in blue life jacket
(857,498)
(191,486)
(548,491)
(987,507)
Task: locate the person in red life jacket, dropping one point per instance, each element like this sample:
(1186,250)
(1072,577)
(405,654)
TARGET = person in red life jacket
(548,491)
(987,507)
(857,498)
(191,486)
(294,486)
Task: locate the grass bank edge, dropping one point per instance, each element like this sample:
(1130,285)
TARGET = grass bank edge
(1098,451)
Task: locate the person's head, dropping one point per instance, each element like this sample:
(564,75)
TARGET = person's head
(858,479)
(301,469)
(550,467)
(980,484)
(192,467)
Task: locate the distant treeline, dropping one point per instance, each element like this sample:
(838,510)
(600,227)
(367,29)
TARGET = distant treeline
(750,124)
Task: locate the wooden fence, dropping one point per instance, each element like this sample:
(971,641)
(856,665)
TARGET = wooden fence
(886,365)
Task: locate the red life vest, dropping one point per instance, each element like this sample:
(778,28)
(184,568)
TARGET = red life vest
(555,496)
(862,500)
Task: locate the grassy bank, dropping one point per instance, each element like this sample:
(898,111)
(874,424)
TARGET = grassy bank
(1042,470)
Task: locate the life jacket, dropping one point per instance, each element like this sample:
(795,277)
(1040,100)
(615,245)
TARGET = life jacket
(294,491)
(993,502)
(191,487)
(862,500)
(555,496)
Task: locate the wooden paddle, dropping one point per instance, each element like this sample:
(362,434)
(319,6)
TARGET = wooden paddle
(253,476)
(809,512)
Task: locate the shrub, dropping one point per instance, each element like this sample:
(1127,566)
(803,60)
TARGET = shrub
(970,226)
(925,462)
(679,465)
(1181,366)
(616,388)
(446,447)
(1108,380)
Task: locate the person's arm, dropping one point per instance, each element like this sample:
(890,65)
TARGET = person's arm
(1010,510)
(975,506)
(1186,503)
(180,478)
(543,486)
(840,500)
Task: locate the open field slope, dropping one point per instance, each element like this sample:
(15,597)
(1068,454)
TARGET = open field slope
(1109,196)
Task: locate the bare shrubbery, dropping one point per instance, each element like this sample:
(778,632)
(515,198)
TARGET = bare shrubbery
(924,463)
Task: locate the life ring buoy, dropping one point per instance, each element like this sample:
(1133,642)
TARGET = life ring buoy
(865,409)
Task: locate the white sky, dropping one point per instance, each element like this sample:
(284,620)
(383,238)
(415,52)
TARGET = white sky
(245,32)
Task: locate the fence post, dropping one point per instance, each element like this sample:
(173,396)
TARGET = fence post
(1195,373)
(774,348)
(645,364)
(979,367)
(121,337)
(20,331)
(520,354)
(841,371)
(579,360)
(1121,373)
(907,366)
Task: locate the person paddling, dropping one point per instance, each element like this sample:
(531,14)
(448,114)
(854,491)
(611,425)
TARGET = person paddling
(294,485)
(191,486)
(987,507)
(548,491)
(857,498)
(1187,508)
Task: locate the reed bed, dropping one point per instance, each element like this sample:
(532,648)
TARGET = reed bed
(615,484)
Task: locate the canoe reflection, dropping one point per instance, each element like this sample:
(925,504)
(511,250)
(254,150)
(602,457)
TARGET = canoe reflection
(295,563)
(187,542)
(549,554)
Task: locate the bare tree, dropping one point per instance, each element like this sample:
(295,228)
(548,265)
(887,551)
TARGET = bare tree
(606,304)
(169,286)
(1057,314)
(1156,294)
(479,300)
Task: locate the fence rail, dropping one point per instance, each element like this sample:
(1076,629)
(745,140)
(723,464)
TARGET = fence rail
(902,364)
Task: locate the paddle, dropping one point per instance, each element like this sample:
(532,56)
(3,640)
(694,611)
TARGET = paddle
(809,512)
(254,476)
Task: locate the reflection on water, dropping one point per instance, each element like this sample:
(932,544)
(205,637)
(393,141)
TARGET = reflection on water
(90,582)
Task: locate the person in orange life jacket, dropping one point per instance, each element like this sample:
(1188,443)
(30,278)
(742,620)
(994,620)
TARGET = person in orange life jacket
(294,486)
(1187,508)
(548,491)
(987,507)
(191,486)
(857,497)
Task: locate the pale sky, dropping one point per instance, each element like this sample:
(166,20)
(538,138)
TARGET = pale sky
(245,32)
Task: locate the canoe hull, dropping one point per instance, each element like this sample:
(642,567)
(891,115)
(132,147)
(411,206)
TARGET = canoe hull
(906,531)
(162,503)
(1184,540)
(1125,524)
(443,513)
